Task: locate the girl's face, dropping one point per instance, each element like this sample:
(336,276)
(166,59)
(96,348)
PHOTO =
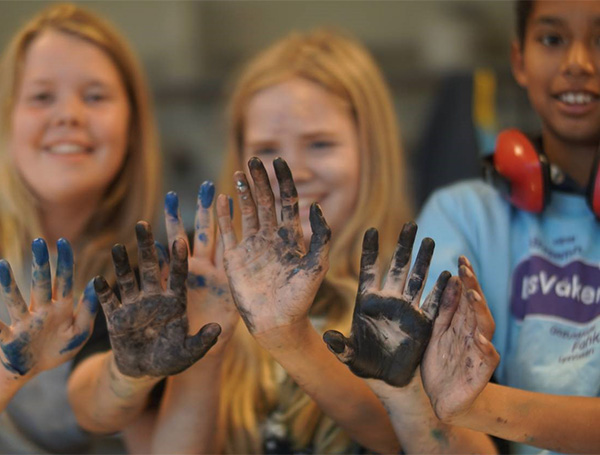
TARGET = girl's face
(313,130)
(70,120)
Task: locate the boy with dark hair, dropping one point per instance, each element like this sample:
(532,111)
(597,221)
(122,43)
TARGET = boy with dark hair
(538,262)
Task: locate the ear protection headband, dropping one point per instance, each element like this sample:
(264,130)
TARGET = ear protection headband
(522,174)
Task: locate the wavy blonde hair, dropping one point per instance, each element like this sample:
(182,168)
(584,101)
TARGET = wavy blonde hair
(345,68)
(131,196)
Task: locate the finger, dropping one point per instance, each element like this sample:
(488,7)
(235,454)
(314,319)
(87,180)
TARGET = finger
(126,281)
(340,346)
(173,222)
(483,316)
(41,279)
(179,268)
(247,207)
(290,215)
(204,235)
(265,201)
(163,263)
(318,251)
(225,224)
(63,282)
(106,296)
(491,356)
(463,321)
(16,306)
(432,302)
(398,273)
(448,304)
(369,267)
(467,274)
(86,311)
(199,344)
(147,259)
(418,275)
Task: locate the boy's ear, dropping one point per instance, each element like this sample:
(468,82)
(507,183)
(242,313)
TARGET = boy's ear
(517,63)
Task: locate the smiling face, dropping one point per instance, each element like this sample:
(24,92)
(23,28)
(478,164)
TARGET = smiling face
(313,130)
(70,120)
(558,65)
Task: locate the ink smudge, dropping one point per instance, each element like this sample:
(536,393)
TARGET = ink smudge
(207,194)
(75,342)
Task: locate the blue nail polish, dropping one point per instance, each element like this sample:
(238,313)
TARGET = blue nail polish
(172,204)
(207,194)
(40,251)
(4,274)
(64,267)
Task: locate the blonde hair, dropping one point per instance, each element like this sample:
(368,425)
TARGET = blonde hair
(345,68)
(133,194)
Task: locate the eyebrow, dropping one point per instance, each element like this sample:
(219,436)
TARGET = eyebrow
(556,21)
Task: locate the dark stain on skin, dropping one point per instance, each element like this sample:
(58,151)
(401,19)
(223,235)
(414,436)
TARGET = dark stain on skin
(64,268)
(41,277)
(378,318)
(149,334)
(172,205)
(18,359)
(207,194)
(196,281)
(440,436)
(417,278)
(5,279)
(75,342)
(501,420)
(469,362)
(404,249)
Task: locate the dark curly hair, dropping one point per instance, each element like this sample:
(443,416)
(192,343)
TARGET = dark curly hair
(523,10)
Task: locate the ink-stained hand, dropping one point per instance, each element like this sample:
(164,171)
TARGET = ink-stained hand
(389,331)
(272,277)
(50,331)
(209,297)
(460,359)
(148,329)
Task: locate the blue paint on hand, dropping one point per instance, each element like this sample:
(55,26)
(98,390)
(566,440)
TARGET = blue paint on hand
(64,267)
(206,194)
(230,207)
(5,279)
(196,281)
(40,251)
(172,204)
(75,342)
(161,252)
(18,360)
(90,297)
(203,238)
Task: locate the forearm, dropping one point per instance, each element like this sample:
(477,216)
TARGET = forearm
(103,399)
(418,428)
(559,423)
(341,395)
(189,412)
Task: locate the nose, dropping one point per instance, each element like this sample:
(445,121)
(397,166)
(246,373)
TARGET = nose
(579,61)
(299,164)
(69,112)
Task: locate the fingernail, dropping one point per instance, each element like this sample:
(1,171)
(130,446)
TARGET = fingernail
(40,251)
(65,253)
(172,204)
(206,194)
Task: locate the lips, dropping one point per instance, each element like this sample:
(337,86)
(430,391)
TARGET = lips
(67,148)
(577,98)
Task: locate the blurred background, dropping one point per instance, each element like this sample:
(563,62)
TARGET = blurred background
(447,63)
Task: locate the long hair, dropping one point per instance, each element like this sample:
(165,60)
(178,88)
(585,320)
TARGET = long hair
(344,68)
(130,197)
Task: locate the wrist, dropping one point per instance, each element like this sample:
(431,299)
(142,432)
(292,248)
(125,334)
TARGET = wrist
(287,337)
(128,383)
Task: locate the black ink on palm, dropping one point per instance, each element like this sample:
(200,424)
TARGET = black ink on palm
(148,329)
(389,331)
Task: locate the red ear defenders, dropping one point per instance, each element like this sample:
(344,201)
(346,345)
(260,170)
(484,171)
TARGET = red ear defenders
(522,174)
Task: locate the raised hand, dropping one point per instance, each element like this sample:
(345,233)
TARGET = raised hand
(273,278)
(148,329)
(389,331)
(460,359)
(49,331)
(209,297)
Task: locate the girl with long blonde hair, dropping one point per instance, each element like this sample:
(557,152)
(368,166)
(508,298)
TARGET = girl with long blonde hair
(79,159)
(318,100)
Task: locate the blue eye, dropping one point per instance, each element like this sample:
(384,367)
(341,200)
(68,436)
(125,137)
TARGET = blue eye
(95,97)
(321,144)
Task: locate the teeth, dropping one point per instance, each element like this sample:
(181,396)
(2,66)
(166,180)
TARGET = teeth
(576,98)
(66,149)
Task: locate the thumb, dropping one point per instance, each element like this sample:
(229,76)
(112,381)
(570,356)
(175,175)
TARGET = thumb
(199,344)
(340,346)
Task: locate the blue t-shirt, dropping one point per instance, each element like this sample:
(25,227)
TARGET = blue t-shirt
(540,274)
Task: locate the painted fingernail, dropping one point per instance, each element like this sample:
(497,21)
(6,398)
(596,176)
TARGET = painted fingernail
(65,253)
(334,342)
(206,194)
(100,284)
(5,273)
(172,204)
(40,251)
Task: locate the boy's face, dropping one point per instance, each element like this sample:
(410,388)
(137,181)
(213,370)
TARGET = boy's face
(558,65)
